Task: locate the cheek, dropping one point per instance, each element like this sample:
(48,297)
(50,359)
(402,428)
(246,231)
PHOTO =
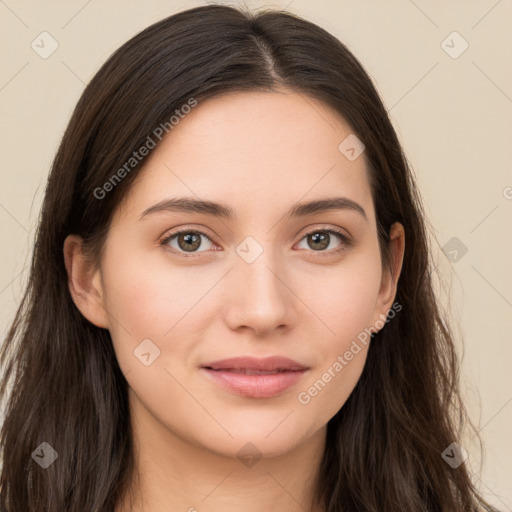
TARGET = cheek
(148,295)
(325,393)
(343,298)
(339,368)
(139,303)
(346,302)
(148,298)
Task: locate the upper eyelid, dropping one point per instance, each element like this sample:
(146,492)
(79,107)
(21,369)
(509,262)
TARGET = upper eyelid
(323,227)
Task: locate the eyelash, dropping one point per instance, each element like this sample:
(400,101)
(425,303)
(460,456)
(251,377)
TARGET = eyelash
(345,241)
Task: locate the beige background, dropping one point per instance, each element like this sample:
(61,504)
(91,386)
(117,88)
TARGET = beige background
(453,116)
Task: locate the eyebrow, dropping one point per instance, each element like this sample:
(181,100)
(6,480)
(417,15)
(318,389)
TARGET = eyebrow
(192,205)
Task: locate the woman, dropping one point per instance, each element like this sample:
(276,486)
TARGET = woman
(230,303)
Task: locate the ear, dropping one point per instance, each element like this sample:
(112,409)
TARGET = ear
(85,284)
(390,276)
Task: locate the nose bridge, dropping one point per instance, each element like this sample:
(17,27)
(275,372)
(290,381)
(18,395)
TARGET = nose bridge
(257,264)
(258,295)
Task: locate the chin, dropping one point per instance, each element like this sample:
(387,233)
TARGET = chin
(263,439)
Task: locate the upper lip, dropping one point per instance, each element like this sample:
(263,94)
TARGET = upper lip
(253,363)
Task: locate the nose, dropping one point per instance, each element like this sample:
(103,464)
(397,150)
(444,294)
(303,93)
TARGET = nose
(259,297)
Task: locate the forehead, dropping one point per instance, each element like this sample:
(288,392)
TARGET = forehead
(254,151)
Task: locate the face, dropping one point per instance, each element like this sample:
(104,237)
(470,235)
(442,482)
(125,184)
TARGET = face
(265,281)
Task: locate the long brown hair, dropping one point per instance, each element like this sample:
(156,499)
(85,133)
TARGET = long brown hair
(65,386)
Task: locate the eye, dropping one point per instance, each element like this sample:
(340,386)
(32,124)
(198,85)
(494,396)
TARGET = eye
(320,239)
(187,240)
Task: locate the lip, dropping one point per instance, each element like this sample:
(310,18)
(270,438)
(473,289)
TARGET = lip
(253,377)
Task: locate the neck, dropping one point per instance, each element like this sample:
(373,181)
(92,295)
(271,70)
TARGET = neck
(175,475)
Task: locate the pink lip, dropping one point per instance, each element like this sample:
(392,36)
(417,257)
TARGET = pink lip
(255,378)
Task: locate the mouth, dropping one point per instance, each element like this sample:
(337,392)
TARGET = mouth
(255,378)
(247,371)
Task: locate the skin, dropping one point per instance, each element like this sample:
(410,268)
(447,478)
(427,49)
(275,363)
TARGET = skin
(259,153)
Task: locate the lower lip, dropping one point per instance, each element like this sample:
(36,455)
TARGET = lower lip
(256,386)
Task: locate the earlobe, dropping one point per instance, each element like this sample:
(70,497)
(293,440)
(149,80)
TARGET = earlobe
(390,276)
(84,282)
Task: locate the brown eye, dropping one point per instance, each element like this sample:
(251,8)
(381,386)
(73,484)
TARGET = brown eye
(321,239)
(186,240)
